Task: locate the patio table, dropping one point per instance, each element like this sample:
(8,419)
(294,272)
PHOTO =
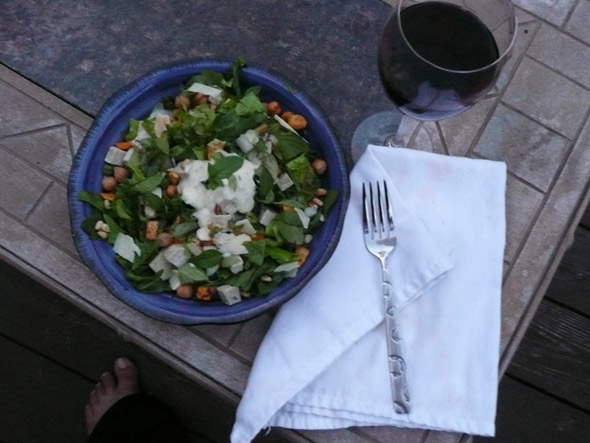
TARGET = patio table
(536,119)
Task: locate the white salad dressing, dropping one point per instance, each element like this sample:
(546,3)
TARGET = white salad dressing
(231,199)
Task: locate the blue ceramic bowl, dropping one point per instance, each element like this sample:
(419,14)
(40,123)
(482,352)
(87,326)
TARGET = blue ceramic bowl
(136,101)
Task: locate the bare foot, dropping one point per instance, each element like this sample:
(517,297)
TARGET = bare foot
(110,389)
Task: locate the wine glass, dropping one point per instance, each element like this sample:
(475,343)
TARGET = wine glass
(436,59)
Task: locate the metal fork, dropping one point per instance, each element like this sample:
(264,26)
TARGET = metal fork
(380,240)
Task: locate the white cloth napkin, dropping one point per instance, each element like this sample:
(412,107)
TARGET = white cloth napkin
(323,362)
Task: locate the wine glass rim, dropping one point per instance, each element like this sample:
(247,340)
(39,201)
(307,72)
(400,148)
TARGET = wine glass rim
(501,57)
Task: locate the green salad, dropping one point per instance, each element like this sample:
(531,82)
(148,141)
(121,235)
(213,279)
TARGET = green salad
(214,196)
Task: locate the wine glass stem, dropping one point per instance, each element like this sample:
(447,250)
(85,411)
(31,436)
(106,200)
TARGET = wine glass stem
(397,140)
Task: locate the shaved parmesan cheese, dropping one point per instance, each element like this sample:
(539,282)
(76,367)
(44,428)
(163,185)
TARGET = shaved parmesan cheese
(283,181)
(176,255)
(213,93)
(287,267)
(125,247)
(159,263)
(115,156)
(266,217)
(303,217)
(245,226)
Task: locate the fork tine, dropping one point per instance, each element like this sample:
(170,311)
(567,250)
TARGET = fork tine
(373,221)
(382,228)
(365,211)
(388,208)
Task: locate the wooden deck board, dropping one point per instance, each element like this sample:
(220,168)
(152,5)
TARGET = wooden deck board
(41,401)
(544,395)
(570,286)
(47,335)
(536,417)
(554,356)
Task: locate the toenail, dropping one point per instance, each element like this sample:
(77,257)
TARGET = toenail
(122,363)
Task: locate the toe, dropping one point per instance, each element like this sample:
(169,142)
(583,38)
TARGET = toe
(108,381)
(99,388)
(94,398)
(126,373)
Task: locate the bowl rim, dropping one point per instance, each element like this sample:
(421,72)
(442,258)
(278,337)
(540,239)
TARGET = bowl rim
(190,313)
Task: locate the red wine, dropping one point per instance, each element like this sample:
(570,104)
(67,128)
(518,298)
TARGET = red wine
(441,35)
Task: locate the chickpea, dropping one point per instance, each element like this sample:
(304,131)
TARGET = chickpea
(200,98)
(286,115)
(303,253)
(182,101)
(319,166)
(173,177)
(261,129)
(120,173)
(171,191)
(297,122)
(109,183)
(273,108)
(185,291)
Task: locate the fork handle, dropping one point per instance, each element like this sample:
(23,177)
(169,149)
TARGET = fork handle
(397,364)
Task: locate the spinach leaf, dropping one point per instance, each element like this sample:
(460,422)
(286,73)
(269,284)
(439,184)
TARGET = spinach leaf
(329,201)
(222,168)
(114,227)
(151,283)
(89,223)
(231,125)
(182,229)
(305,179)
(264,188)
(291,145)
(235,75)
(207,77)
(249,104)
(256,251)
(189,273)
(94,200)
(133,129)
(150,183)
(207,259)
(282,255)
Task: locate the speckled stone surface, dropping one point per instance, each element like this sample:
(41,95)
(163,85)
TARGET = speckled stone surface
(83,51)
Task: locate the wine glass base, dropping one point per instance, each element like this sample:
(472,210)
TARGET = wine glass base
(374,130)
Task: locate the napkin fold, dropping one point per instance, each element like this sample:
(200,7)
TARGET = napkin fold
(323,362)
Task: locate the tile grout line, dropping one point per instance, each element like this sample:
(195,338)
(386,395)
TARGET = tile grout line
(568,16)
(501,91)
(34,131)
(540,209)
(49,240)
(45,97)
(560,73)
(34,167)
(37,203)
